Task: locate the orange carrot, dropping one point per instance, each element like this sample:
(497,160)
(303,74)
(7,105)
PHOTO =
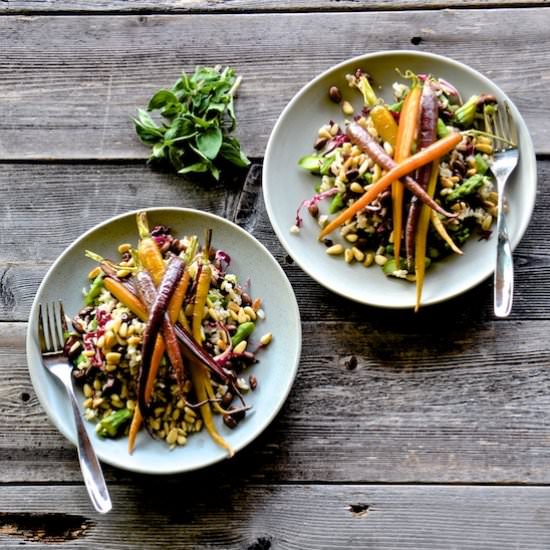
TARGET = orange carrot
(406,134)
(434,151)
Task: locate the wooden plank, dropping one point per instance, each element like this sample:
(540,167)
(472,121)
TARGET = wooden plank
(45,198)
(259,517)
(74,99)
(247,6)
(447,401)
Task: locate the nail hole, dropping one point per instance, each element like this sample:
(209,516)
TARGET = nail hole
(25,397)
(416,40)
(289,260)
(359,510)
(351,363)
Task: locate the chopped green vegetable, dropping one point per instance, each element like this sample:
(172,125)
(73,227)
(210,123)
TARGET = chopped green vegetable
(113,425)
(481,164)
(442,129)
(467,187)
(243,332)
(311,163)
(198,117)
(94,290)
(337,203)
(465,114)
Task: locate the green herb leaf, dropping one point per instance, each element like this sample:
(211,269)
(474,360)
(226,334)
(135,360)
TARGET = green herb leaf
(209,142)
(161,99)
(198,116)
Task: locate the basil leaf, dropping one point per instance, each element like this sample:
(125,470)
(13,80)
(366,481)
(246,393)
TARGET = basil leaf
(231,151)
(161,99)
(198,117)
(209,142)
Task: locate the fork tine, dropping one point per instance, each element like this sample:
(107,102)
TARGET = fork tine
(64,326)
(513,135)
(57,327)
(41,336)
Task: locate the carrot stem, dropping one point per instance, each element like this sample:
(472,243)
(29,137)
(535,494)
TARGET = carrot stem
(437,150)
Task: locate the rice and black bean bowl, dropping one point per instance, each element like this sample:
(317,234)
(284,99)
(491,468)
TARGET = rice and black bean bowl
(108,338)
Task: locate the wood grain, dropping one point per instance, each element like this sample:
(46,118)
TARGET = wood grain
(247,6)
(45,215)
(447,402)
(259,517)
(72,84)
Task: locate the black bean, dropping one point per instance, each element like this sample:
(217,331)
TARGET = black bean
(253,381)
(227,399)
(229,421)
(335,94)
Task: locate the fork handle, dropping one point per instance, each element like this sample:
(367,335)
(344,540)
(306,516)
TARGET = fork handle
(504,271)
(89,464)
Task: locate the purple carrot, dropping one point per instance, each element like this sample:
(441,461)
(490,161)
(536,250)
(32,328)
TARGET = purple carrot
(429,111)
(360,137)
(157,313)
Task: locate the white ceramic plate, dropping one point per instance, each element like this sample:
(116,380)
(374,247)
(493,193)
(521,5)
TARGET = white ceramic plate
(275,370)
(285,185)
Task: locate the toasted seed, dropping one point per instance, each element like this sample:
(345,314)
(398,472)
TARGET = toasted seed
(471,172)
(88,391)
(234,306)
(213,314)
(484,148)
(266,339)
(369,259)
(181,440)
(130,404)
(113,357)
(97,384)
(88,403)
(359,255)
(388,148)
(380,259)
(335,250)
(348,255)
(351,237)
(487,222)
(250,312)
(242,317)
(347,108)
(356,187)
(172,436)
(240,347)
(109,340)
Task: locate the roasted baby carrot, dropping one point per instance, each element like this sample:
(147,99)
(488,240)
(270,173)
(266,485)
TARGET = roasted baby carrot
(436,150)
(406,134)
(421,237)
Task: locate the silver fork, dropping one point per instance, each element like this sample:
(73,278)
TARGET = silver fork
(51,327)
(506,159)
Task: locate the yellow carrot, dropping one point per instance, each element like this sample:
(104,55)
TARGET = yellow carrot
(199,374)
(421,236)
(434,151)
(384,123)
(150,255)
(440,228)
(406,134)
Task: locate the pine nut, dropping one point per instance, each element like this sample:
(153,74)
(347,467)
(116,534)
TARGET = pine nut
(369,259)
(484,148)
(335,250)
(113,358)
(348,255)
(347,108)
(351,237)
(240,347)
(250,312)
(266,339)
(380,260)
(356,187)
(359,255)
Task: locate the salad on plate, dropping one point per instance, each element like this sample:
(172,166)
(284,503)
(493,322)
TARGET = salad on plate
(165,339)
(405,182)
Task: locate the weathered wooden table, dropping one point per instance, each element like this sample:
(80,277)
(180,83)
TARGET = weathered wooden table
(437,434)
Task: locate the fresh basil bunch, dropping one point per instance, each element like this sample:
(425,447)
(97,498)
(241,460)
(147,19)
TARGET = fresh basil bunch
(198,117)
